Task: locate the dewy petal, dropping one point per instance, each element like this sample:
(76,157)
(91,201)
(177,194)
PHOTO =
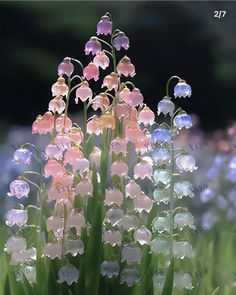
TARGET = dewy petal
(182,89)
(131,255)
(16,216)
(110,268)
(68,274)
(130,276)
(19,189)
(22,156)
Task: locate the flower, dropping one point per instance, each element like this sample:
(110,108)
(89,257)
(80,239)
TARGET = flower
(63,124)
(19,189)
(143,203)
(183,281)
(143,236)
(15,244)
(111,81)
(66,67)
(95,157)
(146,116)
(16,216)
(62,141)
(161,156)
(131,255)
(161,196)
(57,104)
(183,249)
(114,216)
(101,60)
(186,162)
(161,136)
(135,98)
(84,188)
(132,189)
(183,188)
(112,237)
(76,135)
(72,154)
(100,101)
(125,67)
(160,245)
(161,224)
(74,247)
(22,156)
(184,219)
(93,46)
(119,145)
(68,274)
(53,151)
(133,132)
(76,220)
(142,170)
(104,26)
(43,124)
(165,106)
(113,196)
(110,268)
(121,40)
(107,120)
(83,92)
(162,176)
(55,223)
(130,276)
(182,89)
(182,120)
(130,222)
(93,126)
(53,168)
(120,169)
(91,72)
(59,88)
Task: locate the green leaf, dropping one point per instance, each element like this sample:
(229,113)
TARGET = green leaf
(168,286)
(7,290)
(216,291)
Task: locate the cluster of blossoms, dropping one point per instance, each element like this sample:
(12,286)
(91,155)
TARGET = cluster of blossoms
(170,162)
(76,176)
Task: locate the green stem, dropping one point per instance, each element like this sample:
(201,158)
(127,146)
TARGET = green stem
(85,127)
(171,190)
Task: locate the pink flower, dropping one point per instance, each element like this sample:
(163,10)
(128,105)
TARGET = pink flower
(83,92)
(104,26)
(66,67)
(91,72)
(146,116)
(125,67)
(143,236)
(142,170)
(132,189)
(57,104)
(143,144)
(93,126)
(100,101)
(54,223)
(81,164)
(72,154)
(143,203)
(119,145)
(75,135)
(120,169)
(122,110)
(77,221)
(133,132)
(53,168)
(111,81)
(60,87)
(112,237)
(53,250)
(62,141)
(93,46)
(84,188)
(60,124)
(95,157)
(135,97)
(101,60)
(113,196)
(124,94)
(43,124)
(53,151)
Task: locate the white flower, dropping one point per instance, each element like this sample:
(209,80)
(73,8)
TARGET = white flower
(68,274)
(186,163)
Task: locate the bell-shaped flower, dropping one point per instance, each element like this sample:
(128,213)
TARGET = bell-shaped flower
(16,216)
(113,196)
(131,254)
(132,189)
(63,124)
(91,72)
(15,244)
(53,250)
(52,151)
(59,88)
(162,176)
(183,281)
(84,188)
(81,164)
(165,106)
(161,224)
(112,238)
(125,67)
(25,256)
(53,168)
(76,220)
(120,169)
(133,132)
(130,276)
(68,274)
(22,156)
(62,141)
(55,223)
(119,145)
(143,203)
(56,105)
(101,60)
(143,144)
(184,219)
(43,124)
(135,98)
(182,120)
(100,101)
(93,46)
(66,67)
(143,169)
(83,92)
(146,116)
(186,162)
(110,268)
(161,196)
(111,81)
(160,245)
(161,136)
(94,126)
(121,40)
(104,26)
(107,120)
(182,89)
(143,236)
(130,222)
(74,247)
(114,216)
(95,157)
(19,189)
(75,135)
(183,249)
(183,189)
(161,156)
(72,154)
(159,281)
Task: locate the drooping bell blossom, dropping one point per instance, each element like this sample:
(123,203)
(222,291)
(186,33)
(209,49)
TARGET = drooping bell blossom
(113,196)
(182,120)
(84,188)
(94,126)
(143,144)
(146,116)
(76,220)
(107,121)
(112,238)
(125,67)
(182,89)
(76,135)
(133,132)
(120,169)
(59,88)
(143,203)
(93,46)
(131,118)
(121,40)
(68,274)
(104,26)
(66,67)
(183,281)
(100,101)
(165,106)
(53,168)
(131,254)
(22,156)
(19,189)
(95,157)
(183,188)
(130,222)
(143,236)
(25,256)
(160,245)
(62,141)
(114,216)
(43,124)
(101,60)
(142,170)
(54,223)
(184,219)
(57,104)
(74,247)
(15,244)
(63,181)
(63,124)
(111,81)
(183,249)
(17,217)
(81,165)
(53,250)
(124,94)
(135,98)
(53,151)
(83,93)
(91,72)
(110,268)
(186,162)
(122,110)
(130,276)
(58,193)
(132,189)
(161,156)
(161,136)
(119,145)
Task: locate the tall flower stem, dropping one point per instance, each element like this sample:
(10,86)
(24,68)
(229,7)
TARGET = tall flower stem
(67,101)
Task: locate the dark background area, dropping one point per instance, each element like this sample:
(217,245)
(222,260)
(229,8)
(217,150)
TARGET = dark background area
(166,38)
